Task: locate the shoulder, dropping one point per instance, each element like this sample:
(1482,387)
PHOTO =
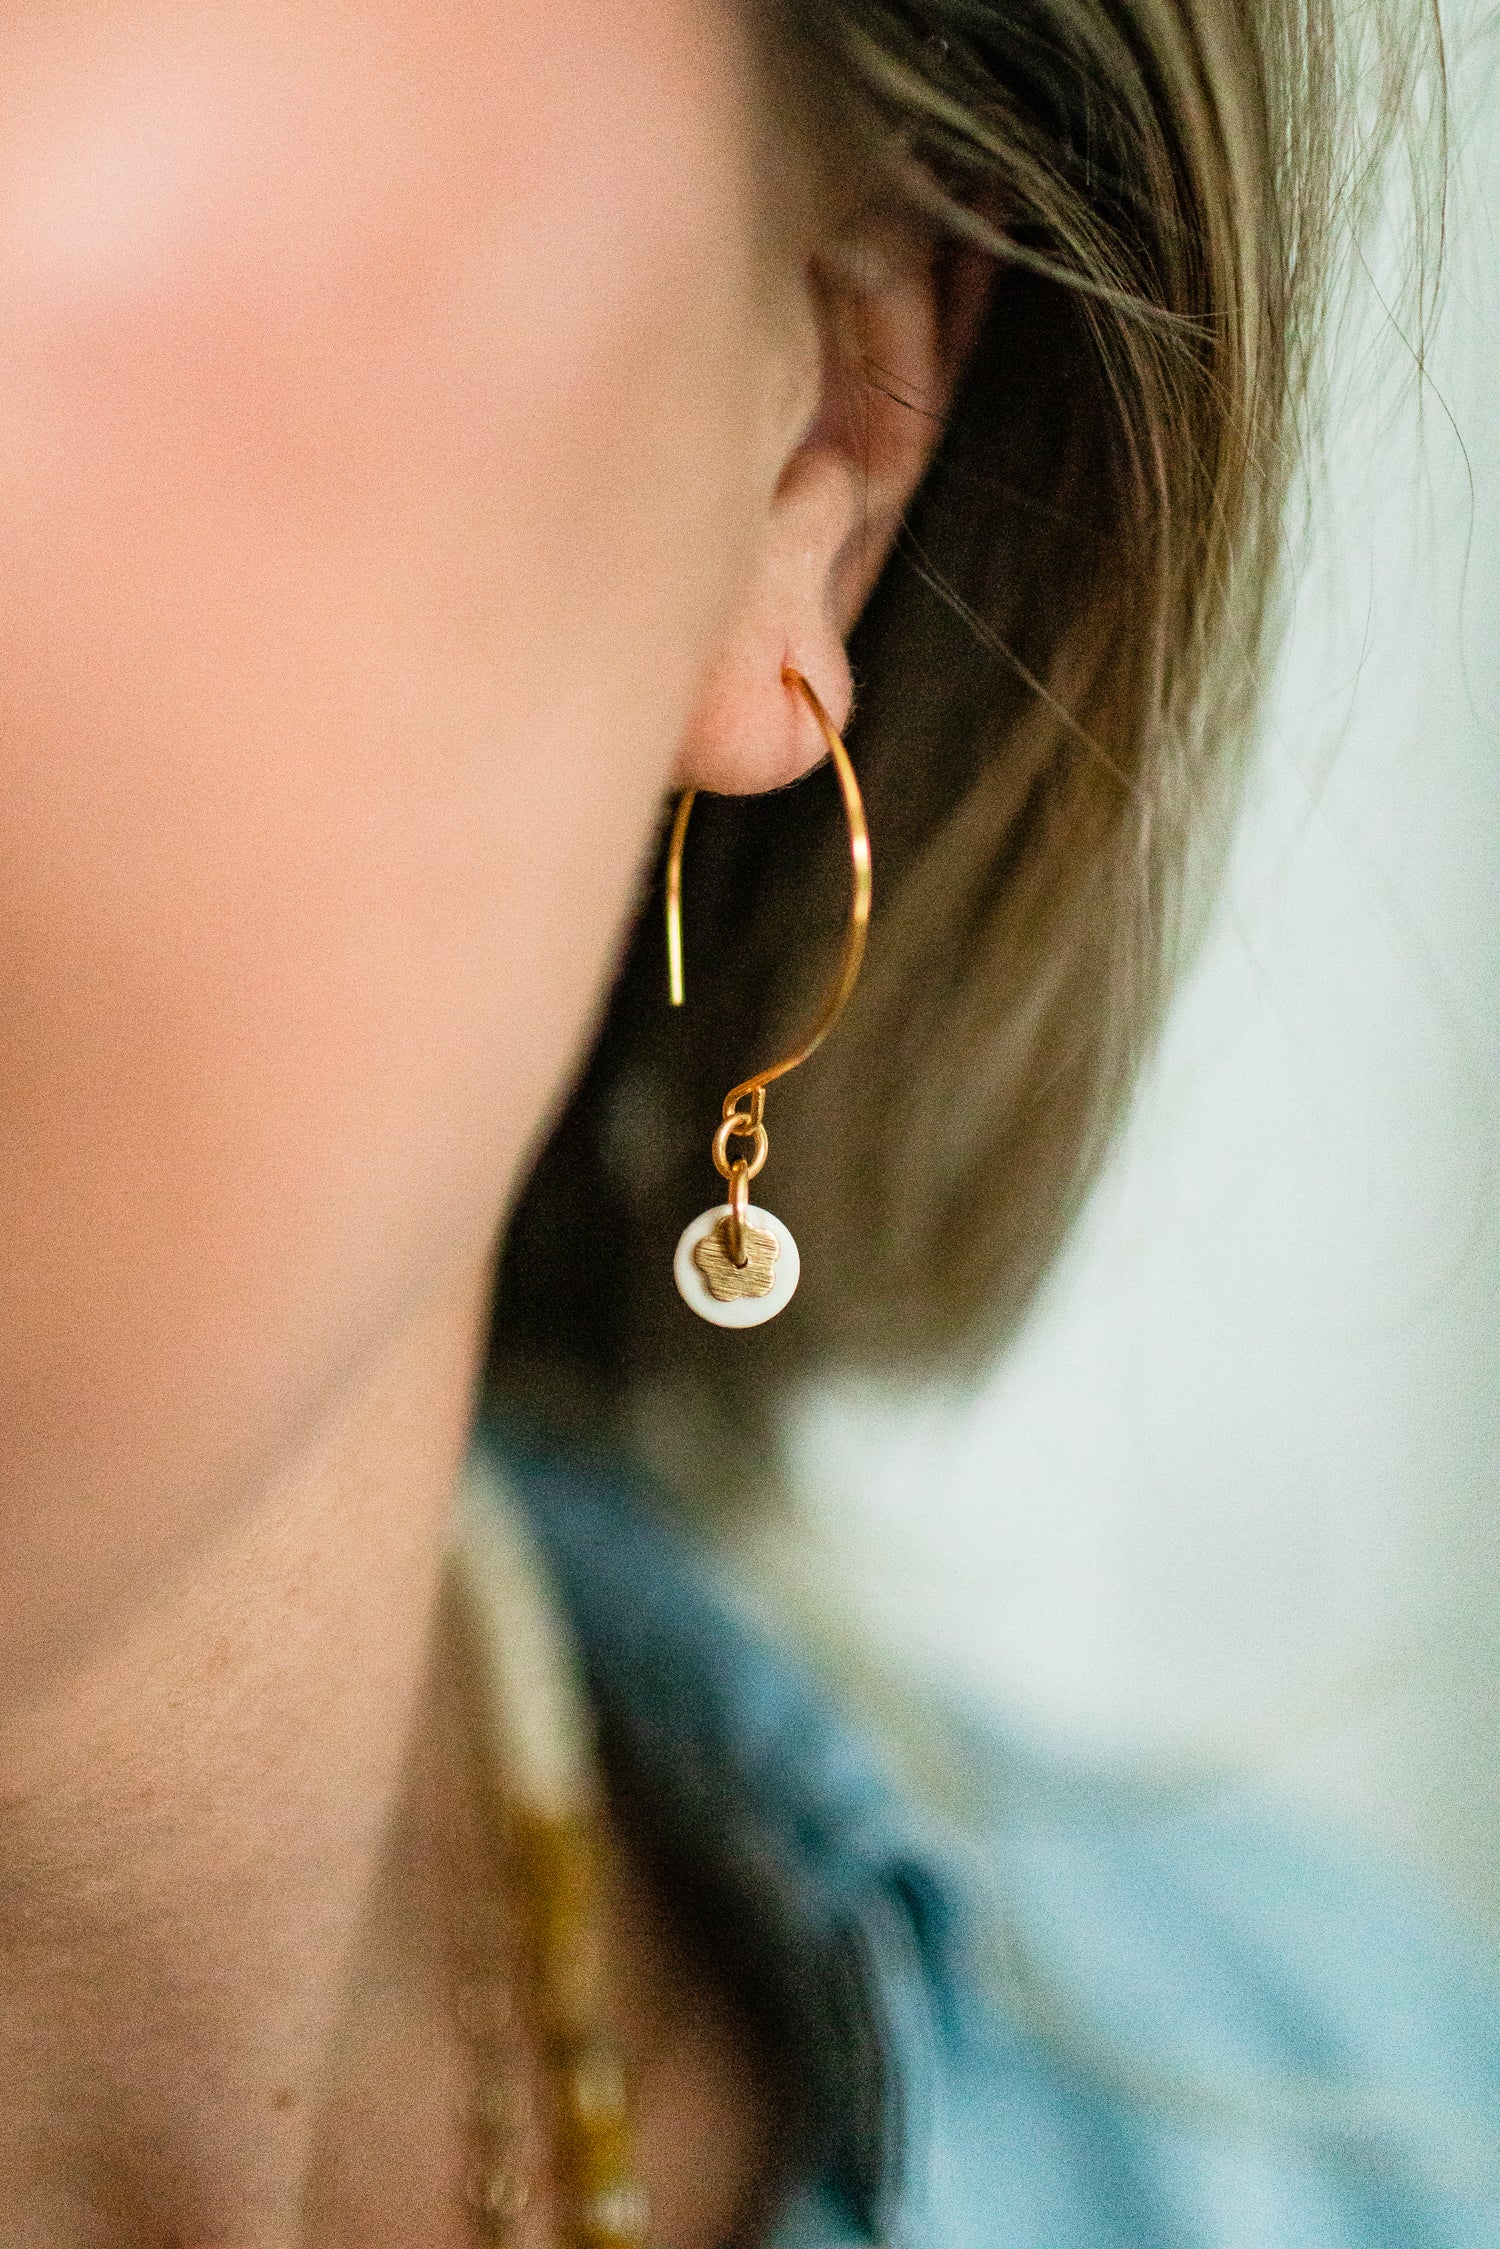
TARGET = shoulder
(1186,2017)
(1169,2018)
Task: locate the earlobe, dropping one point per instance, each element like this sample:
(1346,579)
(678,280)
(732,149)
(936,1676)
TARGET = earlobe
(830,522)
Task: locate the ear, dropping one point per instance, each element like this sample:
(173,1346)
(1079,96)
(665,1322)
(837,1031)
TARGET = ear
(888,356)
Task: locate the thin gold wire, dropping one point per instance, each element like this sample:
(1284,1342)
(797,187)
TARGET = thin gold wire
(675,985)
(739,1204)
(847,973)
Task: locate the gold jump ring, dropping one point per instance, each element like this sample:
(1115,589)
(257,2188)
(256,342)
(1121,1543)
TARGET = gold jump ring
(739,1127)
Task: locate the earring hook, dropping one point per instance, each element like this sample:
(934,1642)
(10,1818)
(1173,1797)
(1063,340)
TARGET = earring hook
(847,974)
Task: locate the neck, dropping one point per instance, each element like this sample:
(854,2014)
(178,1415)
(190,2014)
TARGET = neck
(212,1846)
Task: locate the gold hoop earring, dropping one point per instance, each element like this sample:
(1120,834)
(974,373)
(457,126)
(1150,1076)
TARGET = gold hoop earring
(737,1265)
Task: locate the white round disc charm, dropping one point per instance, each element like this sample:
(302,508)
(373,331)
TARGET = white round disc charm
(708,1284)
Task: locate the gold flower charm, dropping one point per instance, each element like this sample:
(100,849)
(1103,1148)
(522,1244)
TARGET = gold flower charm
(726,1280)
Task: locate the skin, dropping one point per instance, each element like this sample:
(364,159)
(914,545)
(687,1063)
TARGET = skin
(422,444)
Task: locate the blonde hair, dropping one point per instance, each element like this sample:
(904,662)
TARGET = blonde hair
(1055,680)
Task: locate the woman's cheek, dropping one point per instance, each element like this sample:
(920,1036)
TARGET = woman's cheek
(370,500)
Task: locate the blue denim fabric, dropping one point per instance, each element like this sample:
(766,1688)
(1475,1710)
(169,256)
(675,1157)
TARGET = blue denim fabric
(1105,2018)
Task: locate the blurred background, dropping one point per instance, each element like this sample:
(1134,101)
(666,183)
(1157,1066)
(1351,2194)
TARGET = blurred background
(1230,1507)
